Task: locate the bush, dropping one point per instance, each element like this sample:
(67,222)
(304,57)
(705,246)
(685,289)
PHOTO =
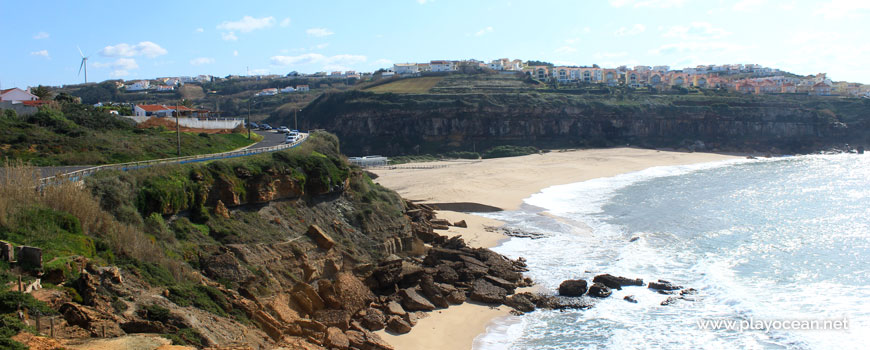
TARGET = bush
(509,151)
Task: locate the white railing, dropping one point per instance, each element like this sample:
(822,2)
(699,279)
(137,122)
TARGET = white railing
(79,175)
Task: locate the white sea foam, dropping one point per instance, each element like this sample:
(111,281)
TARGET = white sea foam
(723,263)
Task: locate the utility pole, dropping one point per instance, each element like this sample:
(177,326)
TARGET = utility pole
(295,122)
(249,117)
(177,131)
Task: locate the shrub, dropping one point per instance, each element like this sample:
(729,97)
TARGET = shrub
(509,151)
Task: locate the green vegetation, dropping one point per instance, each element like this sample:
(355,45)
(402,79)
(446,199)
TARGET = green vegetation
(434,157)
(73,134)
(407,86)
(10,325)
(509,151)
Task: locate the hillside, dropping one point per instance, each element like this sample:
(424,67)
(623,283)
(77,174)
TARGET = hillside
(294,249)
(74,134)
(477,112)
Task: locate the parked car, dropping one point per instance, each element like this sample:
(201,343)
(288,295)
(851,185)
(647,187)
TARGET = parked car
(265,126)
(291,138)
(283,129)
(253,125)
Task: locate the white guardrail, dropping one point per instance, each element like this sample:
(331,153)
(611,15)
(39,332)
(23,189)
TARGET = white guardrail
(78,175)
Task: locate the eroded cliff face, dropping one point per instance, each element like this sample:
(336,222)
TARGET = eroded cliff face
(437,123)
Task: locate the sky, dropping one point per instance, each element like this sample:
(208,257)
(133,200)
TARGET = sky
(147,39)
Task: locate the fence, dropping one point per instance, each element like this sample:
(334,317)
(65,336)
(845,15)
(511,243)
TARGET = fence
(424,166)
(79,175)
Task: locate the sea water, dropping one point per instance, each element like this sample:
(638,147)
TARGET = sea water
(784,239)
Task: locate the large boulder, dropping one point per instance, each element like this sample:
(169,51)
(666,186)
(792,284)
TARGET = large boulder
(333,318)
(572,288)
(599,290)
(335,338)
(352,294)
(663,285)
(413,301)
(486,292)
(323,240)
(523,302)
(617,282)
(445,274)
(393,308)
(397,324)
(432,292)
(374,319)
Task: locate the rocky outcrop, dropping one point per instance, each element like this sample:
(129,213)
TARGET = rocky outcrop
(617,282)
(572,288)
(599,290)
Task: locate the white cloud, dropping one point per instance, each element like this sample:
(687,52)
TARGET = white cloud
(41,35)
(484,31)
(235,52)
(145,48)
(119,64)
(748,5)
(119,73)
(566,49)
(629,31)
(696,30)
(260,71)
(201,60)
(200,30)
(285,22)
(706,47)
(328,62)
(319,32)
(838,9)
(247,24)
(43,53)
(648,3)
(229,36)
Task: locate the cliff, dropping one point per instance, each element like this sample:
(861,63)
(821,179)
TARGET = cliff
(294,249)
(395,124)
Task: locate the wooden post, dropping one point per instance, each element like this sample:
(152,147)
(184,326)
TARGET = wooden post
(104,330)
(38,324)
(20,287)
(51,327)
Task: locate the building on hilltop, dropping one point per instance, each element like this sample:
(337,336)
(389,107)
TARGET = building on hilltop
(17,95)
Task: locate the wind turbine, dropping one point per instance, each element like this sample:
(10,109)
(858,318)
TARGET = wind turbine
(84,64)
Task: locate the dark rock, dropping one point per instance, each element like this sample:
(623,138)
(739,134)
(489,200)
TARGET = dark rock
(441,222)
(461,223)
(387,273)
(414,302)
(688,291)
(445,274)
(398,325)
(440,227)
(393,308)
(561,303)
(508,286)
(572,288)
(616,282)
(30,256)
(663,285)
(521,302)
(456,297)
(634,239)
(599,290)
(432,292)
(374,319)
(410,275)
(670,300)
(630,299)
(485,292)
(333,318)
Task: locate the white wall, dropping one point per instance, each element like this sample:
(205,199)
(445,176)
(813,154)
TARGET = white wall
(196,123)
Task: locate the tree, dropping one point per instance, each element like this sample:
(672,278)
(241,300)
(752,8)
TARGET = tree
(43,92)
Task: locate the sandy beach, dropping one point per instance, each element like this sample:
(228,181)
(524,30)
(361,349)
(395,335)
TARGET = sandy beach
(502,183)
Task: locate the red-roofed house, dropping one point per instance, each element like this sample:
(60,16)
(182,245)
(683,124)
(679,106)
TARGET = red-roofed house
(151,110)
(821,89)
(16,94)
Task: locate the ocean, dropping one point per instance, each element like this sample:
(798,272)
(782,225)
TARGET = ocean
(770,244)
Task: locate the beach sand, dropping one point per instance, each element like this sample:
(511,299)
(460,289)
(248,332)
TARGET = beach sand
(501,183)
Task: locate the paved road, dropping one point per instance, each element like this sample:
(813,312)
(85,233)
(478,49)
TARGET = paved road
(270,138)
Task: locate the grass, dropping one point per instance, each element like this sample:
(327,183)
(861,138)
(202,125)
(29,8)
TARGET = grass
(80,135)
(408,86)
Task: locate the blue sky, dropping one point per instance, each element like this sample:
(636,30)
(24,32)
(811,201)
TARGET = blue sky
(146,39)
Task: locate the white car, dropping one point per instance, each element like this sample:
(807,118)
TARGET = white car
(291,138)
(283,129)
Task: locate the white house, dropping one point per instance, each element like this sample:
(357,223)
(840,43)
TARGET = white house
(16,94)
(302,88)
(174,82)
(288,89)
(165,87)
(442,66)
(268,92)
(151,110)
(139,85)
(406,68)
